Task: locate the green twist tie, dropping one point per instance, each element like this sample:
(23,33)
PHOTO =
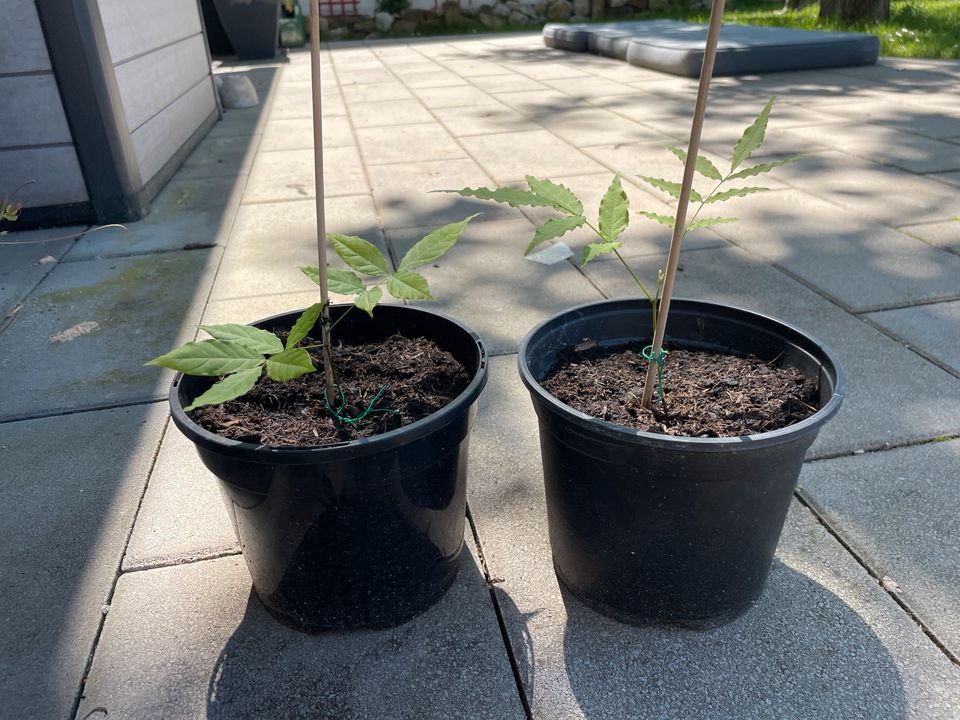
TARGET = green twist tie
(661,356)
(343,401)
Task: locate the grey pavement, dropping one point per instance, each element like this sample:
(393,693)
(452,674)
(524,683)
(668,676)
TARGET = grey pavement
(127,595)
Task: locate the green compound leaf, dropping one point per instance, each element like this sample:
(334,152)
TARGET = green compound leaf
(304,324)
(671,188)
(707,222)
(344,281)
(594,249)
(557,196)
(362,256)
(735,192)
(210,358)
(260,341)
(614,211)
(554,228)
(513,197)
(312,272)
(434,245)
(408,285)
(752,137)
(289,364)
(667,220)
(762,168)
(231,387)
(703,166)
(368,299)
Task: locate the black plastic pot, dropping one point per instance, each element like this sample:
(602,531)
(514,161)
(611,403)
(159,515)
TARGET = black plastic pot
(251,25)
(647,527)
(361,533)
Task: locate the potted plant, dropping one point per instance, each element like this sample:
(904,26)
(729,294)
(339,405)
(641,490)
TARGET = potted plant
(339,434)
(668,479)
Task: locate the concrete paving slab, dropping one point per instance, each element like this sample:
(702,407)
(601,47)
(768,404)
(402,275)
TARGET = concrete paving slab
(256,307)
(220,157)
(886,145)
(487,283)
(389,112)
(646,107)
(939,124)
(863,265)
(899,510)
(186,214)
(951,178)
(481,120)
(407,143)
(507,83)
(432,78)
(589,86)
(75,482)
(362,75)
(881,373)
(294,100)
(824,640)
(82,337)
(510,156)
(24,260)
(405,193)
(192,641)
(474,68)
(272,241)
(934,330)
(944,234)
(589,127)
(297,134)
(249,121)
(460,96)
(376,93)
(181,517)
(865,188)
(289,175)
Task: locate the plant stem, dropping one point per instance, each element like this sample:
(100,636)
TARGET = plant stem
(328,379)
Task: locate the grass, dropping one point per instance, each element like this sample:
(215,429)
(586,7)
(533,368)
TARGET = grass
(916,28)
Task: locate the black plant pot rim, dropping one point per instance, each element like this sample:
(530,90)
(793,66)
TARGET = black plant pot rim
(335,452)
(595,425)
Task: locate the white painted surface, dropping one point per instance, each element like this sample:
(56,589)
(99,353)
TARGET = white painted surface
(54,170)
(22,48)
(135,27)
(31,112)
(155,142)
(151,82)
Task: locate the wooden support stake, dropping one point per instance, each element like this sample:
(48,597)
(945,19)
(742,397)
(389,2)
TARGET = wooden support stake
(673,257)
(328,380)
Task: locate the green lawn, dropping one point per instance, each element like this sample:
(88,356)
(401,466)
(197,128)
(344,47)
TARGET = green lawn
(916,28)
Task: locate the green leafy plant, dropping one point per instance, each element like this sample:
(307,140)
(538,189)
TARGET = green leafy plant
(240,354)
(613,216)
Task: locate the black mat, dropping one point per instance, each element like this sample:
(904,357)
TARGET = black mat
(677,47)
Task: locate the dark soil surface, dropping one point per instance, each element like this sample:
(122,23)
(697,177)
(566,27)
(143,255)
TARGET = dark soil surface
(705,394)
(417,376)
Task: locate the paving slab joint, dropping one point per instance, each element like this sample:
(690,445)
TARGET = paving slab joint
(884,447)
(183,561)
(889,588)
(504,633)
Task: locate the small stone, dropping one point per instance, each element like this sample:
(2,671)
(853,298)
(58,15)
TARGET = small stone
(452,14)
(889,584)
(559,10)
(236,91)
(336,33)
(489,20)
(518,18)
(858,452)
(502,10)
(404,27)
(581,7)
(47,259)
(384,21)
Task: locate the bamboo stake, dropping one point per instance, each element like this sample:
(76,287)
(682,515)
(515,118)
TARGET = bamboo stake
(328,381)
(673,257)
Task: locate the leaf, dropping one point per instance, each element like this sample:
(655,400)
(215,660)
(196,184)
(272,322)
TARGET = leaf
(289,364)
(514,197)
(344,281)
(594,249)
(762,168)
(559,197)
(304,324)
(702,166)
(312,272)
(735,192)
(260,341)
(230,388)
(368,299)
(554,228)
(614,211)
(210,358)
(671,188)
(408,285)
(707,222)
(434,245)
(362,256)
(752,137)
(667,220)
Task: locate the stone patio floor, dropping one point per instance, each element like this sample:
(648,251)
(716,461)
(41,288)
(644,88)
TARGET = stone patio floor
(124,593)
